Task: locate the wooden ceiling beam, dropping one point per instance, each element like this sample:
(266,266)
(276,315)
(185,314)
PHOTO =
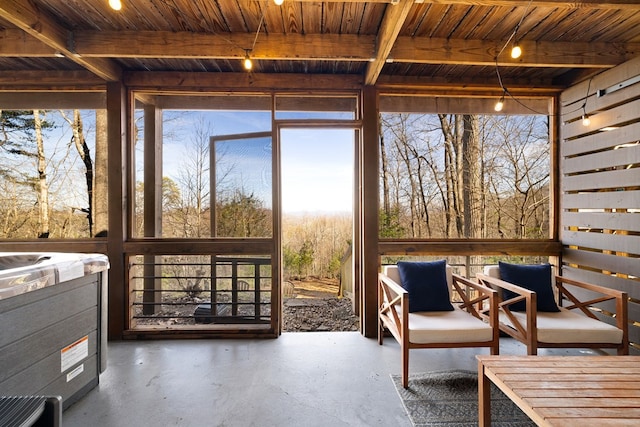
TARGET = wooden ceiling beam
(392,22)
(26,16)
(564,4)
(197,82)
(332,47)
(443,85)
(16,43)
(167,44)
(535,54)
(78,80)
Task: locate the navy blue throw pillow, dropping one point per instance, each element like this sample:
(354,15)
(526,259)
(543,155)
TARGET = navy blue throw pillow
(426,283)
(535,278)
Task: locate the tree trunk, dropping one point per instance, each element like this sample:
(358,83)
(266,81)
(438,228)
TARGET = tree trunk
(43,186)
(85,156)
(385,175)
(471,191)
(408,158)
(458,181)
(101,188)
(453,173)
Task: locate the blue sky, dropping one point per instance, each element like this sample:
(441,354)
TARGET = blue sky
(317,170)
(317,164)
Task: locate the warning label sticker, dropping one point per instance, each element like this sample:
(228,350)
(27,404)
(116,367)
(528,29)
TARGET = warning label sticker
(75,372)
(74,353)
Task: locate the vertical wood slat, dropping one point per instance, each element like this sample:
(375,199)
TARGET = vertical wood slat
(369,211)
(116,135)
(152,203)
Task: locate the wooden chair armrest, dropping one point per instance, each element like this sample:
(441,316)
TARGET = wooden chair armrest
(392,296)
(476,306)
(525,331)
(494,283)
(391,284)
(476,286)
(614,293)
(606,294)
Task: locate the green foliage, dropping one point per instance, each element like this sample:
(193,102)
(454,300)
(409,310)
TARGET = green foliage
(16,126)
(296,262)
(171,194)
(17,138)
(333,268)
(390,226)
(242,215)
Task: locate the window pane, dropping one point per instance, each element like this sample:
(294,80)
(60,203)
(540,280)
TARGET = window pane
(174,133)
(243,187)
(52,177)
(464,176)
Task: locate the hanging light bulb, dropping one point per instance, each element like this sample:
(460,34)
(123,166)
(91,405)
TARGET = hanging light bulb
(115,4)
(500,104)
(247,62)
(278,2)
(516,51)
(586,121)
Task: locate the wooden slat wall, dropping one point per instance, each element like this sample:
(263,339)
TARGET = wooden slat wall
(600,184)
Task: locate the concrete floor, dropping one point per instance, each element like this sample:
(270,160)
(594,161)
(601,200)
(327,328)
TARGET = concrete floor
(300,379)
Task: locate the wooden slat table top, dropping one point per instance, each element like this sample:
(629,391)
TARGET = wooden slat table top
(565,390)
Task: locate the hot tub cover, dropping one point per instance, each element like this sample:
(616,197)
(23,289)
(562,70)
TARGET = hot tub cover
(22,272)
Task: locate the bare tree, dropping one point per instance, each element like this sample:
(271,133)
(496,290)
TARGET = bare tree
(519,175)
(43,186)
(101,180)
(452,133)
(386,203)
(489,174)
(78,140)
(193,181)
(471,188)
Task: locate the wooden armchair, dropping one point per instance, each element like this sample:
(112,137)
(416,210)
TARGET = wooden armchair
(472,323)
(574,326)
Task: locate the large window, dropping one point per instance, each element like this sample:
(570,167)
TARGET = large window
(478,176)
(178,130)
(53,173)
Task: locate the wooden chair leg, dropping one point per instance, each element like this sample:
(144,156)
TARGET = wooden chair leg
(405,366)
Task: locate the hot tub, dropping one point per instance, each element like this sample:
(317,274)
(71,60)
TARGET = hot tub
(53,338)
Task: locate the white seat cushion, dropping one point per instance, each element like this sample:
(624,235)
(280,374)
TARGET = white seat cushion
(455,326)
(569,326)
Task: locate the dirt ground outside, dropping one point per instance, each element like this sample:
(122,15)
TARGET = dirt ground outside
(308,305)
(315,305)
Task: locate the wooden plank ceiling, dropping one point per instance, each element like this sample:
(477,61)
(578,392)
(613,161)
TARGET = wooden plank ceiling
(406,42)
